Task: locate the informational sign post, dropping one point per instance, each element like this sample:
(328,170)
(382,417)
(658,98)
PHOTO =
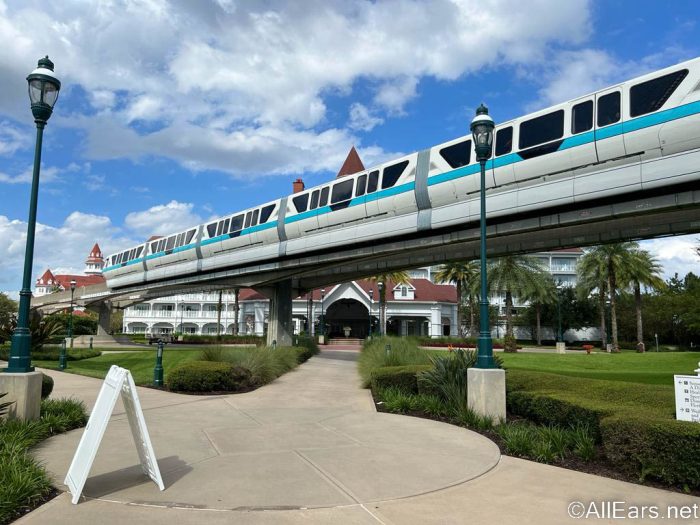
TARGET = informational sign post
(687,397)
(118,382)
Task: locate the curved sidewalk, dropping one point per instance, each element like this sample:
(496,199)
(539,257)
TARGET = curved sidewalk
(308,448)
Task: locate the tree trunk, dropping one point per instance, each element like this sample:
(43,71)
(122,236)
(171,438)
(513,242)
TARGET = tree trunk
(638,306)
(613,313)
(236,309)
(459,309)
(538,313)
(601,307)
(509,319)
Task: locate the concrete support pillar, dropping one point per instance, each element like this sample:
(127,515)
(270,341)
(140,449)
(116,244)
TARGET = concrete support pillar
(486,392)
(435,328)
(25,390)
(280,327)
(105,317)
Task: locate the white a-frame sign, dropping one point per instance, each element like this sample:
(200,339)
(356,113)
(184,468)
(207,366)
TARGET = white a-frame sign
(118,381)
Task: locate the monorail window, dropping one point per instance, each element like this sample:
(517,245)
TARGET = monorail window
(226,224)
(219,228)
(541,129)
(190,234)
(608,109)
(236,223)
(504,141)
(248,216)
(211,229)
(393,172)
(342,191)
(154,247)
(361,185)
(301,202)
(266,212)
(649,96)
(373,181)
(254,222)
(138,251)
(457,155)
(324,197)
(582,117)
(171,243)
(314,199)
(161,245)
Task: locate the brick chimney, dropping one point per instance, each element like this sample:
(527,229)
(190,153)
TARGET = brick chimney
(298,185)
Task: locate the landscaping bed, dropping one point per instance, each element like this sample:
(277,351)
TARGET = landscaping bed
(619,428)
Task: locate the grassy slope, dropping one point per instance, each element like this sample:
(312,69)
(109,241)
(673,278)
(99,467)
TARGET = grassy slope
(141,363)
(649,368)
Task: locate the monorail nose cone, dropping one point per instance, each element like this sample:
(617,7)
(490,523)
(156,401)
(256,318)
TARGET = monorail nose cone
(482,110)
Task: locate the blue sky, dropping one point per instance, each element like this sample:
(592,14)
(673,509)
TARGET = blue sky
(172,112)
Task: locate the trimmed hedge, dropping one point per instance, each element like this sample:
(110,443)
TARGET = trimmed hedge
(208,376)
(307,348)
(46,386)
(51,354)
(635,423)
(256,340)
(403,378)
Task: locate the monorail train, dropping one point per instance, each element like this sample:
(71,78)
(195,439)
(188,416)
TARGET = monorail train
(638,135)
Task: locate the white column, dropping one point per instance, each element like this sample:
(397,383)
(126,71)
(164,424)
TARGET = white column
(435,328)
(259,318)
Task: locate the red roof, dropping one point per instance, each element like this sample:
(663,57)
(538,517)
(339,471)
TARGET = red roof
(47,278)
(425,290)
(248,294)
(352,164)
(80,280)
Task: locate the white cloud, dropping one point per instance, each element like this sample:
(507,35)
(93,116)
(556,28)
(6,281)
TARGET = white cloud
(12,138)
(64,246)
(241,87)
(675,254)
(362,118)
(162,219)
(46,174)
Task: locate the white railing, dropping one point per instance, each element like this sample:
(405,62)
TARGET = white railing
(172,314)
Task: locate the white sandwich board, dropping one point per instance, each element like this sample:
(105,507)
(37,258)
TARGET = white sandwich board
(687,398)
(118,382)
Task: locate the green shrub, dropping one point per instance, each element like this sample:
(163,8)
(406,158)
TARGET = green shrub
(5,406)
(403,378)
(23,482)
(46,386)
(667,450)
(204,376)
(307,348)
(51,354)
(212,353)
(257,340)
(634,422)
(401,352)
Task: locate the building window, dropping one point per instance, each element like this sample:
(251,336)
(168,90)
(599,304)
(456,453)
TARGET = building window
(404,291)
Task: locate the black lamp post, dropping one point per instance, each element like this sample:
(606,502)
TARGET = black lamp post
(382,305)
(43,93)
(371,304)
(323,320)
(70,319)
(559,334)
(482,135)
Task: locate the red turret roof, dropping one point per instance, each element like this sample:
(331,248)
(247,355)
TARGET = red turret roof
(352,164)
(47,278)
(95,254)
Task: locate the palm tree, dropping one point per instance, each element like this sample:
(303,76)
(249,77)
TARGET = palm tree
(613,262)
(643,270)
(545,292)
(465,275)
(592,276)
(394,278)
(514,276)
(236,309)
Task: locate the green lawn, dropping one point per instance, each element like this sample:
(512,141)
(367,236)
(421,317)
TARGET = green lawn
(140,363)
(649,368)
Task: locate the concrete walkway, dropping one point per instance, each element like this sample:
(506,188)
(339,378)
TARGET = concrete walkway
(310,448)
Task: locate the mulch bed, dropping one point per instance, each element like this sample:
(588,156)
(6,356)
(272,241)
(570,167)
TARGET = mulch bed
(598,466)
